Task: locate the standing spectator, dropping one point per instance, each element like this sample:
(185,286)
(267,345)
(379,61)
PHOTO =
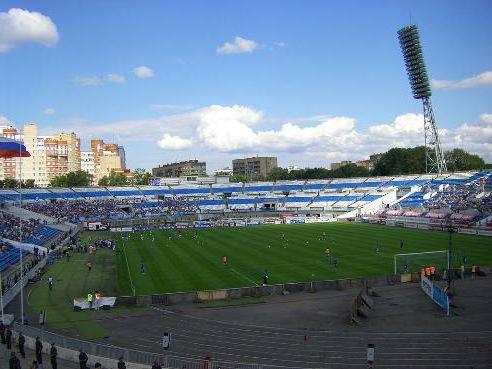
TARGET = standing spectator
(53,355)
(462,271)
(121,364)
(39,351)
(2,333)
(14,362)
(21,341)
(265,278)
(83,358)
(90,297)
(8,338)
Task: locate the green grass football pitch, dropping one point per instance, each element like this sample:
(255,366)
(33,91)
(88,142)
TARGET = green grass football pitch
(190,260)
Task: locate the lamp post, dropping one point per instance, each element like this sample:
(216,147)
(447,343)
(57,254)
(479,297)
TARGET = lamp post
(450,230)
(419,82)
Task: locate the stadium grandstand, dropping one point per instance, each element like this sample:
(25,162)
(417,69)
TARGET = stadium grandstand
(461,197)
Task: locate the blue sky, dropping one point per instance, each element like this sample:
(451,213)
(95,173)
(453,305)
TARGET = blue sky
(309,81)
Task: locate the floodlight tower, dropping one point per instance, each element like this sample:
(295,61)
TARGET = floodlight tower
(419,82)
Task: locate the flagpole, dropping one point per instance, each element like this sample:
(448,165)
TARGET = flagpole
(1,296)
(20,235)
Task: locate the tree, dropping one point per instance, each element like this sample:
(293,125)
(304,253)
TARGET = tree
(398,161)
(72,179)
(350,170)
(58,181)
(277,174)
(114,179)
(10,183)
(237,178)
(140,177)
(459,159)
(28,183)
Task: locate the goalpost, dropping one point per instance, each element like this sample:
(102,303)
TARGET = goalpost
(413,262)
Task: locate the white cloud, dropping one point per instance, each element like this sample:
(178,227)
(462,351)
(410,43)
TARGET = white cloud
(143,72)
(160,107)
(486,118)
(238,46)
(227,131)
(115,78)
(476,136)
(19,26)
(482,79)
(4,121)
(49,111)
(88,81)
(169,142)
(228,128)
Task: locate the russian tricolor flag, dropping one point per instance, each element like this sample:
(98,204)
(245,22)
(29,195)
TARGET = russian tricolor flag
(12,149)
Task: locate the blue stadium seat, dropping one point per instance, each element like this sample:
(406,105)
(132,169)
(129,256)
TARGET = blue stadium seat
(242,201)
(226,189)
(191,191)
(289,187)
(42,234)
(259,189)
(10,257)
(314,186)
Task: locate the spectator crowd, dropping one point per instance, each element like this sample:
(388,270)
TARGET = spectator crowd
(78,211)
(10,227)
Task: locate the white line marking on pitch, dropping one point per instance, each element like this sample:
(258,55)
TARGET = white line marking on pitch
(244,276)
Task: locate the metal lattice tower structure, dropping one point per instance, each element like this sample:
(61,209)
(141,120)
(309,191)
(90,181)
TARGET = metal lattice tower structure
(421,90)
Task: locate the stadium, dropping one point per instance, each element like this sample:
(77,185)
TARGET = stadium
(379,263)
(380,232)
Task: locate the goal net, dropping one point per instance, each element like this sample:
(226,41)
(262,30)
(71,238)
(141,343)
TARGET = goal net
(414,262)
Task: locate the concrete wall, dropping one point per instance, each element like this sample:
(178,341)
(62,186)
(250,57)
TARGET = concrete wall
(257,291)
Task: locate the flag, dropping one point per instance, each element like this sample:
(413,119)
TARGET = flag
(12,149)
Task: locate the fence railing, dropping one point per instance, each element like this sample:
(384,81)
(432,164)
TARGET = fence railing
(13,291)
(135,356)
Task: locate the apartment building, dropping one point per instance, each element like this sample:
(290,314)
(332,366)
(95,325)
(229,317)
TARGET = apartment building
(58,154)
(255,167)
(9,166)
(87,163)
(50,155)
(107,158)
(189,168)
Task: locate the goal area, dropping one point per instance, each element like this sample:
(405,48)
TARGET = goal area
(414,262)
